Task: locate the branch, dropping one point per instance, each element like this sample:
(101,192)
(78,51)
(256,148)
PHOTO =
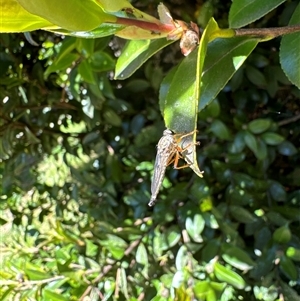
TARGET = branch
(268,33)
(289,120)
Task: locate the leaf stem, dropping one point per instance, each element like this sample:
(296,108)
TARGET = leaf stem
(155,27)
(267,33)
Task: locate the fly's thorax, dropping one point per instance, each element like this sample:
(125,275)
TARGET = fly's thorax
(166,143)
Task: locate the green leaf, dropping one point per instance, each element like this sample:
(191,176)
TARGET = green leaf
(238,258)
(182,258)
(113,6)
(276,218)
(286,148)
(135,54)
(256,77)
(34,272)
(224,57)
(74,15)
(52,296)
(288,292)
(290,51)
(241,214)
(101,61)
(282,235)
(178,279)
(277,191)
(210,250)
(293,253)
(226,275)
(123,282)
(259,126)
(62,64)
(250,141)
(220,130)
(262,151)
(201,289)
(142,258)
(84,69)
(272,138)
(245,12)
(195,226)
(103,30)
(171,237)
(14,18)
(287,266)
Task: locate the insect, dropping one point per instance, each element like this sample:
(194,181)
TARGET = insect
(168,152)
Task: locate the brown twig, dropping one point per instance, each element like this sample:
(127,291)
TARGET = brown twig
(289,120)
(267,32)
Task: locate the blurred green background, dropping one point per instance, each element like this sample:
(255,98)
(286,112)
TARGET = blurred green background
(76,158)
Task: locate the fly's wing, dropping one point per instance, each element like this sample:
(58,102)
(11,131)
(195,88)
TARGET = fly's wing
(165,151)
(160,165)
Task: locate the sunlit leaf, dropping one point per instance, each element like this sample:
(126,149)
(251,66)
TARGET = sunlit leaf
(14,18)
(224,57)
(136,53)
(245,12)
(73,15)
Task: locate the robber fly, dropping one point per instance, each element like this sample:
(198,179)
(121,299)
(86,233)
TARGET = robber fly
(168,152)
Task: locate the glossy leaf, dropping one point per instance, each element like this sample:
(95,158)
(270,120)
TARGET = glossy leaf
(101,61)
(259,126)
(245,12)
(286,148)
(256,77)
(14,18)
(103,30)
(135,54)
(262,151)
(224,57)
(293,253)
(288,292)
(113,6)
(210,250)
(287,266)
(178,279)
(182,258)
(220,130)
(142,258)
(171,237)
(272,138)
(86,72)
(277,191)
(250,141)
(241,214)
(73,15)
(53,296)
(238,258)
(195,226)
(290,52)
(282,235)
(226,275)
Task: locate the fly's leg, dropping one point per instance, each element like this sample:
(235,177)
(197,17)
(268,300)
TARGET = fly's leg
(180,136)
(176,160)
(180,150)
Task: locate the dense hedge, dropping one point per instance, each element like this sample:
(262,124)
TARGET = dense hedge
(76,158)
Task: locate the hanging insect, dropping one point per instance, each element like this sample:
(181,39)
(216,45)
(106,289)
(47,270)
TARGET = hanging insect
(168,152)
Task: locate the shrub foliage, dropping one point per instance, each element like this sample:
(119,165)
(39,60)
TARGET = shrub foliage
(76,159)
